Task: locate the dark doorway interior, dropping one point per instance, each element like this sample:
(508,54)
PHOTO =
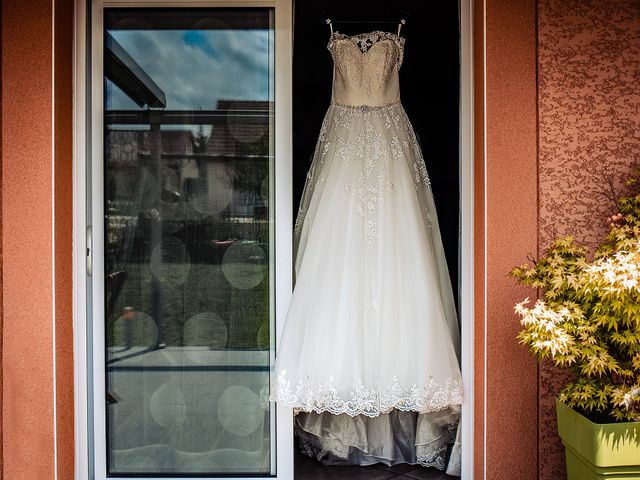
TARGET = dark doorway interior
(429,90)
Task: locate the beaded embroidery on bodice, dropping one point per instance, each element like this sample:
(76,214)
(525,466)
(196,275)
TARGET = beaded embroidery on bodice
(366,68)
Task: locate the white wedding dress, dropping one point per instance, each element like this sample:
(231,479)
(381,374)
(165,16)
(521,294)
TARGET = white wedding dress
(370,348)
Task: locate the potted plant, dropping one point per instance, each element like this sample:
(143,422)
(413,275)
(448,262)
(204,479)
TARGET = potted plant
(587,320)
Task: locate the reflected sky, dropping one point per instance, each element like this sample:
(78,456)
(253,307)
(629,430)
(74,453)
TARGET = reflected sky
(196,68)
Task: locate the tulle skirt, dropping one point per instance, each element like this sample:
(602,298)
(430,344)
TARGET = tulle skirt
(428,439)
(370,347)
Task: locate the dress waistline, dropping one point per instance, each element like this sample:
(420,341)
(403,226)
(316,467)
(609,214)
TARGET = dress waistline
(366,107)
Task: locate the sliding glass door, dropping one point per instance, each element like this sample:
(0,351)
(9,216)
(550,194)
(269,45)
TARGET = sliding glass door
(184,225)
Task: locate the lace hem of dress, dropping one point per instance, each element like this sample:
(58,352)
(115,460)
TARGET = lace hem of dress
(436,458)
(437,453)
(367,401)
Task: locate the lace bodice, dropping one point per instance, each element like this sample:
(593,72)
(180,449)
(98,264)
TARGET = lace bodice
(366,66)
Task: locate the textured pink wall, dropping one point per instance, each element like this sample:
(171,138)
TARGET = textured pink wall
(589,129)
(506,221)
(36,285)
(27,413)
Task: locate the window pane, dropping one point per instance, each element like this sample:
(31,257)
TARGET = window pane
(188,240)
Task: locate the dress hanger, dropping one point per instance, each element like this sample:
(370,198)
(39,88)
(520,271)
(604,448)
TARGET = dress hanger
(329,22)
(384,3)
(403,14)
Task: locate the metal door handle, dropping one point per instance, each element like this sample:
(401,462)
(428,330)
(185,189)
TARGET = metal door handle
(89,251)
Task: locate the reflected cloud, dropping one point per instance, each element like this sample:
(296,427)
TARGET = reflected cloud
(196,68)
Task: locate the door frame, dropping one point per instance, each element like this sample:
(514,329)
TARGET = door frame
(84,118)
(466,253)
(88,290)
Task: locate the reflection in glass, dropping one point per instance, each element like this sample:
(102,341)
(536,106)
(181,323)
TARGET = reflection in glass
(188,240)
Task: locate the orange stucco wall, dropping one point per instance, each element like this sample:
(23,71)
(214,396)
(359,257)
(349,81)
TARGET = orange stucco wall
(27,414)
(36,290)
(560,106)
(506,214)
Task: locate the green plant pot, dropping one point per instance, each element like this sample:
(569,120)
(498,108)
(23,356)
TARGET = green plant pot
(598,451)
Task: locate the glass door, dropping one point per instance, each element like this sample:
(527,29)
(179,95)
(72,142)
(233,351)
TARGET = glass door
(184,228)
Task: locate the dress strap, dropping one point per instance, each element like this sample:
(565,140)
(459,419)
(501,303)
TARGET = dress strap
(328,21)
(402,22)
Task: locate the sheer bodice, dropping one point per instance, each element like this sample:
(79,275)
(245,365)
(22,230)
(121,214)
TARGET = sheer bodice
(366,66)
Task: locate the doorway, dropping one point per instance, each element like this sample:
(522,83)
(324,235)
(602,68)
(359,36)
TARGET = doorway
(434,118)
(432,101)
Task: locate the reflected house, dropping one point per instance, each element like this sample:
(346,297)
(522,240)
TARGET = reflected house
(221,168)
(218,171)
(242,148)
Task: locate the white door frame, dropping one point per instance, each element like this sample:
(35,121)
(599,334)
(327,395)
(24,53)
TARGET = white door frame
(88,291)
(82,283)
(466,255)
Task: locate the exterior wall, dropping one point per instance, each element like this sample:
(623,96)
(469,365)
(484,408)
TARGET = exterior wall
(589,119)
(37,420)
(585,110)
(546,150)
(506,445)
(28,411)
(37,177)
